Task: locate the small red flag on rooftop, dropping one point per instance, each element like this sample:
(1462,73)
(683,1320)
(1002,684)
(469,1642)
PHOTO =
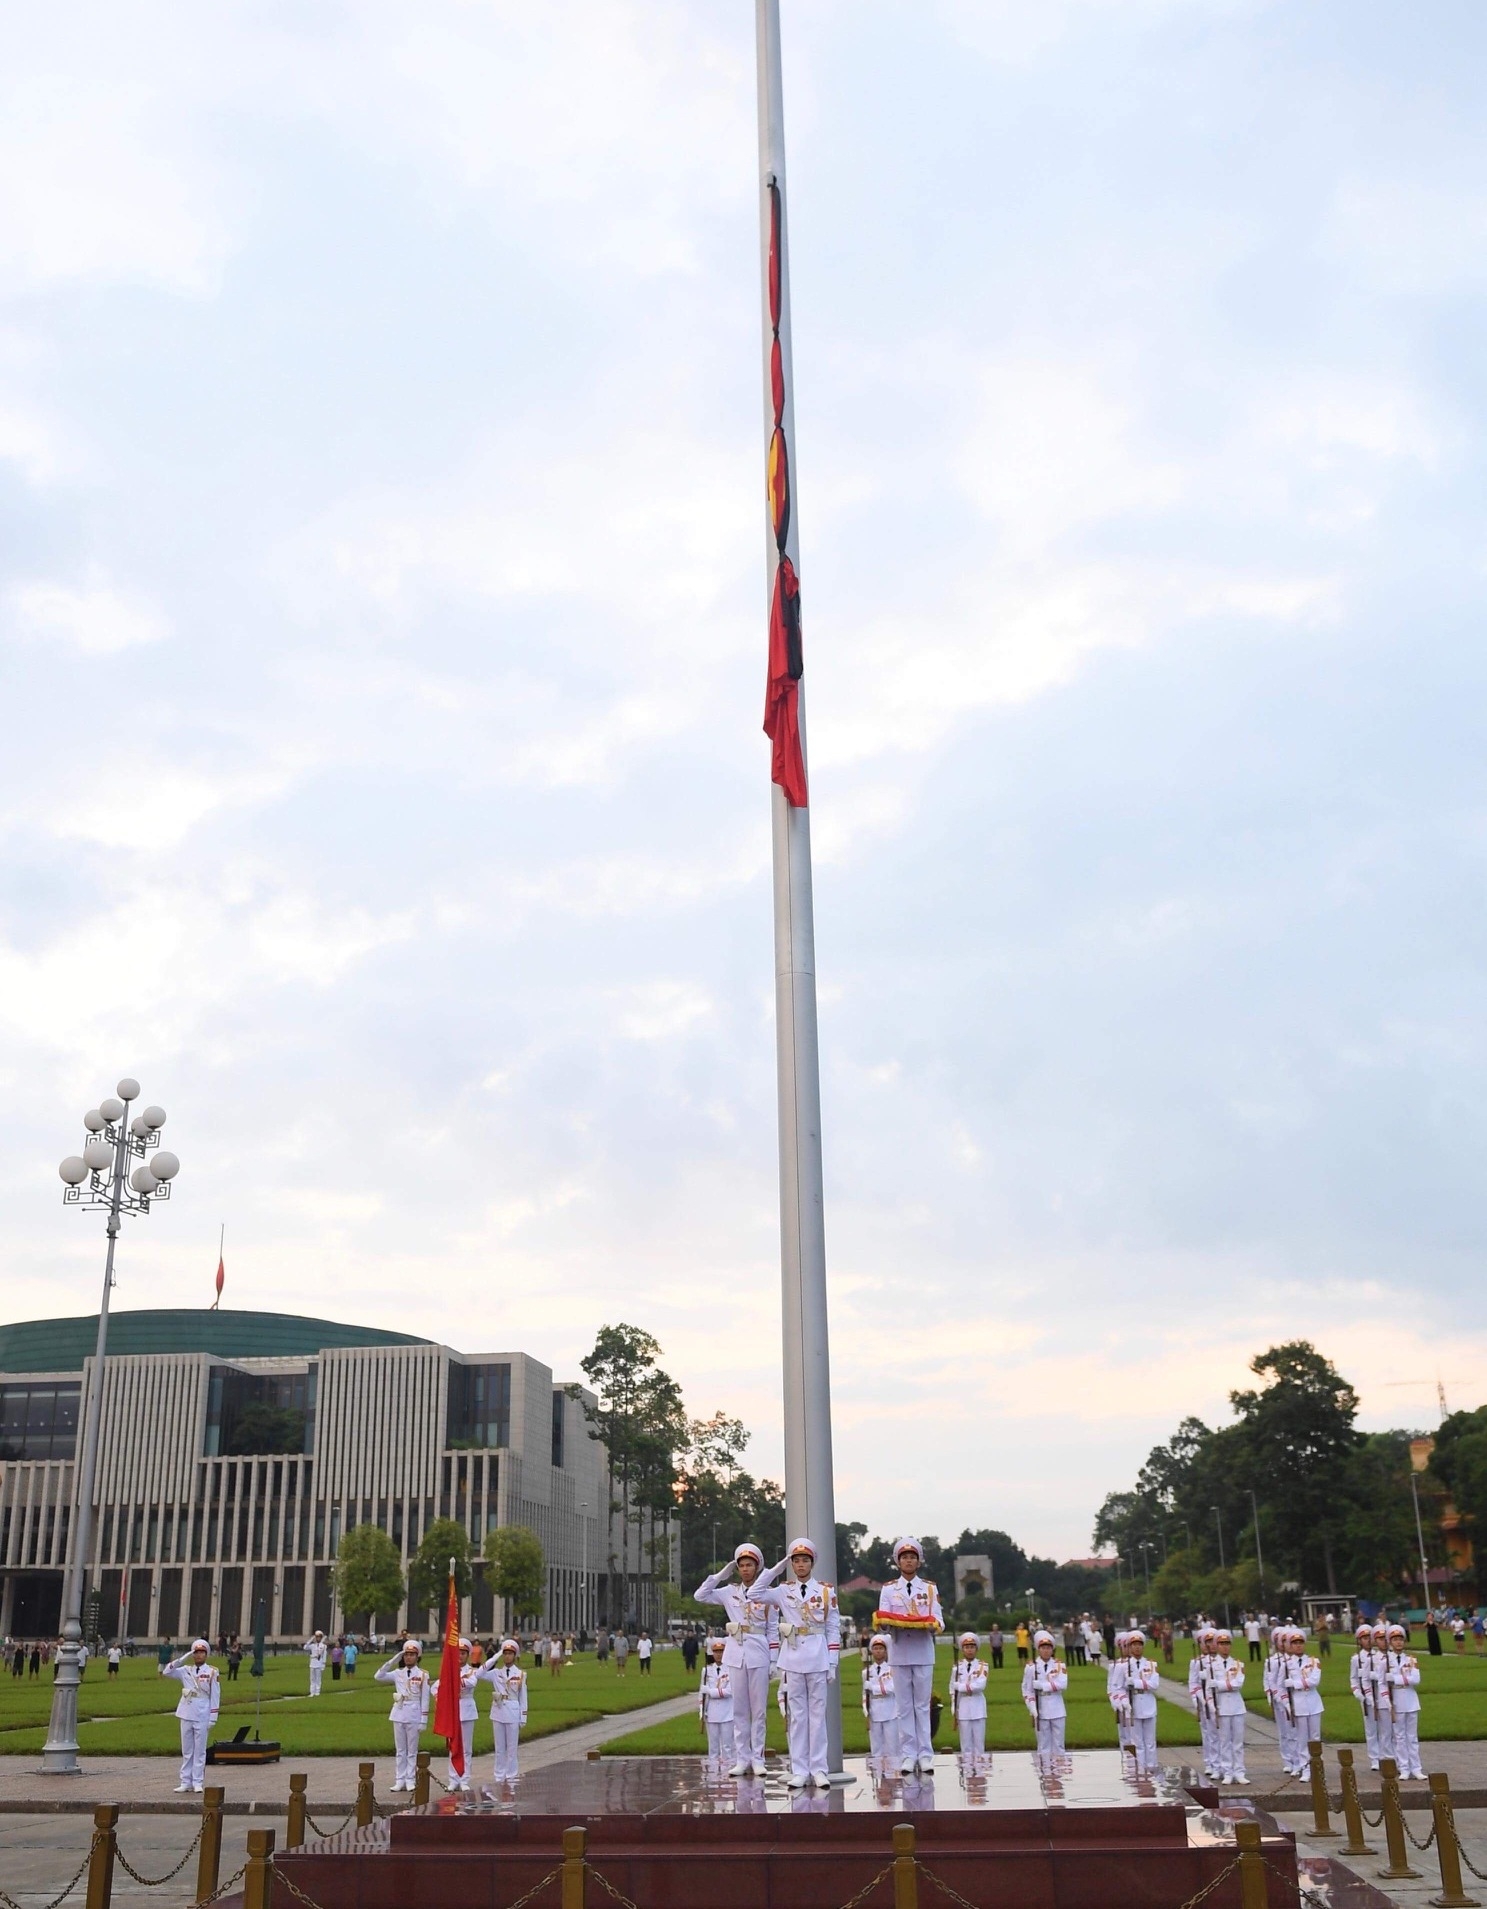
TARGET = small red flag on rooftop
(221,1268)
(447,1709)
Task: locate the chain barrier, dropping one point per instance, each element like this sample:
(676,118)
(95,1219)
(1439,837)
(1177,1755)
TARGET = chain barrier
(312,1824)
(1373,1822)
(9,1902)
(435,1778)
(1480,1874)
(222,1888)
(157,1882)
(940,1884)
(868,1888)
(608,1887)
(1413,1837)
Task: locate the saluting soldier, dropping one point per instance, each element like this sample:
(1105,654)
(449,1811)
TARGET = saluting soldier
(200,1700)
(410,1708)
(752,1647)
(508,1683)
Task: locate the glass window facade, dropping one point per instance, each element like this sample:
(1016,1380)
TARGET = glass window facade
(257,1411)
(479,1411)
(39,1421)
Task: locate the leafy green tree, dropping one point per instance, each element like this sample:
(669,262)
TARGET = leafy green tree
(719,1503)
(518,1570)
(1459,1464)
(369,1573)
(428,1570)
(1297,1436)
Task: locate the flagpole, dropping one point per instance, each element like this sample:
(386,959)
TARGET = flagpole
(810,1499)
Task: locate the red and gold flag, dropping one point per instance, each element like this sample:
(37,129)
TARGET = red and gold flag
(786,661)
(447,1709)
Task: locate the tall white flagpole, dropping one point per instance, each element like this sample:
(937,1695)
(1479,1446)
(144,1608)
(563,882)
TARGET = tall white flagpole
(810,1499)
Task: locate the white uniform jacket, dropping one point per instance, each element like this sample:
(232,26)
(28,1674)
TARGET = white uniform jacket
(1043,1687)
(968,1690)
(1404,1678)
(809,1625)
(1228,1686)
(879,1699)
(753,1621)
(1131,1684)
(469,1678)
(318,1652)
(410,1691)
(201,1690)
(715,1699)
(1201,1683)
(911,1597)
(1303,1678)
(508,1692)
(1368,1678)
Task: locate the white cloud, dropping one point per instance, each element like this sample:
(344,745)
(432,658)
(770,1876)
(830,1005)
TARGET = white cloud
(98,620)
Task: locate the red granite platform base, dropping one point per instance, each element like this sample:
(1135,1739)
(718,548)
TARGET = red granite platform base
(667,1836)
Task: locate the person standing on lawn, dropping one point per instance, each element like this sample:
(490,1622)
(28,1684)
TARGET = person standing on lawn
(752,1647)
(352,1652)
(200,1701)
(318,1652)
(410,1708)
(909,1611)
(508,1707)
(621,1649)
(643,1651)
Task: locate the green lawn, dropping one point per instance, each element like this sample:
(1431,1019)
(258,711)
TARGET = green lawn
(1453,1692)
(1091,1723)
(133,1714)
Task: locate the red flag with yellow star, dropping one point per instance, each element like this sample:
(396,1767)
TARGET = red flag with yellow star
(447,1709)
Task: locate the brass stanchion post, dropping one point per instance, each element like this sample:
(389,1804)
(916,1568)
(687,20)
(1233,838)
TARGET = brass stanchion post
(1399,1867)
(1352,1809)
(1321,1830)
(258,1878)
(574,1843)
(1453,1895)
(421,1782)
(366,1802)
(294,1836)
(101,1863)
(905,1869)
(1254,1891)
(209,1856)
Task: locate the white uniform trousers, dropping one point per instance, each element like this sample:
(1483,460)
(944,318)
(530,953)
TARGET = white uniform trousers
(912,1683)
(1209,1730)
(1050,1732)
(194,1752)
(1405,1743)
(1384,1727)
(317,1671)
(1371,1735)
(750,1708)
(1231,1747)
(1285,1731)
(720,1742)
(1308,1731)
(972,1736)
(882,1739)
(508,1735)
(805,1698)
(1144,1737)
(467,1731)
(405,1750)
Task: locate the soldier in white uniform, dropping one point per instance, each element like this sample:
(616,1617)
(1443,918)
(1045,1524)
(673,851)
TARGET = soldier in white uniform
(318,1653)
(1403,1672)
(469,1678)
(1201,1690)
(1125,1735)
(753,1644)
(1273,1684)
(715,1703)
(968,1697)
(1303,1687)
(508,1683)
(1365,1676)
(1227,1678)
(880,1707)
(909,1611)
(810,1646)
(1380,1661)
(410,1708)
(1132,1684)
(201,1699)
(1044,1681)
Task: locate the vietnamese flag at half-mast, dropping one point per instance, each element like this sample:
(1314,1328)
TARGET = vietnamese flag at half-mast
(447,1709)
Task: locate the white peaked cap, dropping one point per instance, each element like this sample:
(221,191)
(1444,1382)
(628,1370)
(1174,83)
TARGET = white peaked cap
(1206,1630)
(801,1544)
(1222,1635)
(1396,1630)
(1042,1637)
(412,1643)
(510,1643)
(1381,1626)
(320,1633)
(1133,1636)
(907,1544)
(877,1638)
(1365,1629)
(749,1551)
(717,1643)
(464,1643)
(967,1637)
(201,1644)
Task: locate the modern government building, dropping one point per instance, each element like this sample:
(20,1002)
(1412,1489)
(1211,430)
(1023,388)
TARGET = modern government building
(196,1523)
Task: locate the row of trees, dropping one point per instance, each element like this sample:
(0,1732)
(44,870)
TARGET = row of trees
(1290,1495)
(370,1579)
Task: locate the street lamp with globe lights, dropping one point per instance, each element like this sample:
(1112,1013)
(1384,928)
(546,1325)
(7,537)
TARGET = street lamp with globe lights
(96,1178)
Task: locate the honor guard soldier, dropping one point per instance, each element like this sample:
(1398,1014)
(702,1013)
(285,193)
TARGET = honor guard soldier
(880,1707)
(810,1645)
(1201,1690)
(1227,1678)
(1044,1681)
(201,1699)
(1125,1735)
(909,1612)
(1303,1687)
(318,1650)
(1274,1685)
(715,1704)
(1380,1642)
(753,1644)
(508,1682)
(1403,1673)
(469,1678)
(1133,1687)
(1365,1675)
(410,1708)
(968,1697)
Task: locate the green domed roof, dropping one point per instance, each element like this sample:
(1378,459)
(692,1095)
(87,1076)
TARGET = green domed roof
(61,1345)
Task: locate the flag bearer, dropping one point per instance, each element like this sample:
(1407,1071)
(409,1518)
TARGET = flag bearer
(508,1707)
(1227,1678)
(968,1697)
(753,1644)
(1044,1682)
(410,1708)
(1134,1683)
(1303,1676)
(469,1678)
(715,1701)
(1403,1673)
(1201,1690)
(201,1699)
(909,1611)
(318,1651)
(880,1707)
(810,1645)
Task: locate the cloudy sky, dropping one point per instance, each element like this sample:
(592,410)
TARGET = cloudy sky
(381,628)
